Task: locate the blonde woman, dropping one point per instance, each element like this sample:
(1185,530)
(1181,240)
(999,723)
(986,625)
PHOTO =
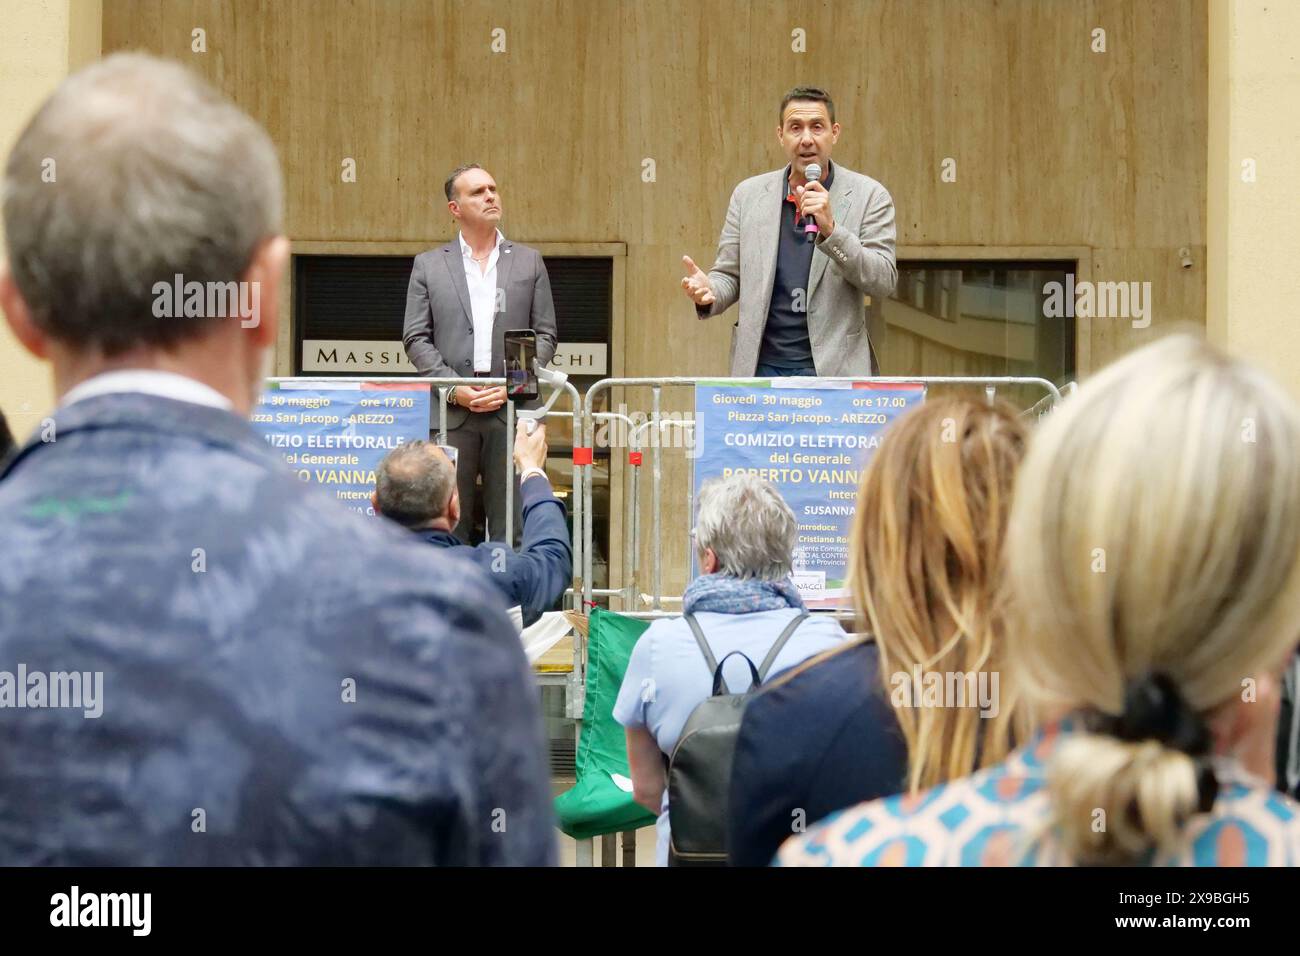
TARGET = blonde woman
(1154,570)
(925,558)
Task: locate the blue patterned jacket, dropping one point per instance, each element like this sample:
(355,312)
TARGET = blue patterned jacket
(283,682)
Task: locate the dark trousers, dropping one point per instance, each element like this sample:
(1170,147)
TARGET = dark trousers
(480,445)
(773,371)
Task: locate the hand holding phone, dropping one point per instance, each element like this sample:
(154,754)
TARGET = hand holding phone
(530,445)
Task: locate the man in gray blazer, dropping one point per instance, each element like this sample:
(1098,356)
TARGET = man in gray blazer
(801,289)
(461,300)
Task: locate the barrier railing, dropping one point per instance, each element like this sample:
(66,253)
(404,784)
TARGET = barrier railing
(656,385)
(583,592)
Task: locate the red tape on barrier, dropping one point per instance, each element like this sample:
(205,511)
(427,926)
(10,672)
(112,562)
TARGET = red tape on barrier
(634,458)
(582,456)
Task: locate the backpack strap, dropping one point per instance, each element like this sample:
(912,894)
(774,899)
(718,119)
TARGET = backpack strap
(699,639)
(719,682)
(715,666)
(780,643)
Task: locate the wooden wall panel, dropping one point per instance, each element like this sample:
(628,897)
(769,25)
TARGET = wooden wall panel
(1055,145)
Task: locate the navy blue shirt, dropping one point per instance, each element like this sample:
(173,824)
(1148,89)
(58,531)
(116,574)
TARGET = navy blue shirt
(820,738)
(536,576)
(785,337)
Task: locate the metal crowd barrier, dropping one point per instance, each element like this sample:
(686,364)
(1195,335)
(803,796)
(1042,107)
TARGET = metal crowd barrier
(583,593)
(656,385)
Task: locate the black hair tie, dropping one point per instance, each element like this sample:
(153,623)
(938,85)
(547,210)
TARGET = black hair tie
(1155,710)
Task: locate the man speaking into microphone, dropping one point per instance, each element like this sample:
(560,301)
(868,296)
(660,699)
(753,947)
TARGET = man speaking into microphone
(800,249)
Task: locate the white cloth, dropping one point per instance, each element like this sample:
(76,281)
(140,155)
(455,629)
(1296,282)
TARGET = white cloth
(148,382)
(544,634)
(482,300)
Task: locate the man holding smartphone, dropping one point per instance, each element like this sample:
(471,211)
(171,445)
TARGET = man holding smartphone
(462,299)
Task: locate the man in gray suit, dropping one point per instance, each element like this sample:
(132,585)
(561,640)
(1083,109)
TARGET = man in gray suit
(461,300)
(801,289)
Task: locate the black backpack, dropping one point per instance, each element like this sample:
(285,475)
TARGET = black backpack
(699,770)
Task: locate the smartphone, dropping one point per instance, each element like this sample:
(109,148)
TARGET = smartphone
(521,356)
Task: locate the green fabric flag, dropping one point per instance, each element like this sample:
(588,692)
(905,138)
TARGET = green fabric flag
(595,805)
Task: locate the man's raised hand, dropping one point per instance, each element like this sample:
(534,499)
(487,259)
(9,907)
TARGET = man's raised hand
(530,449)
(696,283)
(815,201)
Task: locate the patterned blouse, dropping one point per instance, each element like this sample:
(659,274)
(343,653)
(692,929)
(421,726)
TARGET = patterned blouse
(991,818)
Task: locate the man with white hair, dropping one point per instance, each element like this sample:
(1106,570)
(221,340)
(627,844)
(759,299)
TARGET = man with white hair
(269,680)
(742,601)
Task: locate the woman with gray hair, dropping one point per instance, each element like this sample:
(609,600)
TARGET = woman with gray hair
(742,601)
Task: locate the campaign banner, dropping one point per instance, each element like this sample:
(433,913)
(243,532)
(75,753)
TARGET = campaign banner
(811,439)
(336,434)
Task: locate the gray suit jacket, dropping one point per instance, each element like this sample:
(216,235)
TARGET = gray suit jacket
(857,259)
(439,329)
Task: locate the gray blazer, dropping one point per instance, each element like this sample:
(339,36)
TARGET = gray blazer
(857,259)
(439,329)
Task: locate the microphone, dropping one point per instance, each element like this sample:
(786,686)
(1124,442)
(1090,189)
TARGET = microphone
(811,173)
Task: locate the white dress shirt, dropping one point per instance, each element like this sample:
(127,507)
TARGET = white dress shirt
(148,382)
(482,300)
